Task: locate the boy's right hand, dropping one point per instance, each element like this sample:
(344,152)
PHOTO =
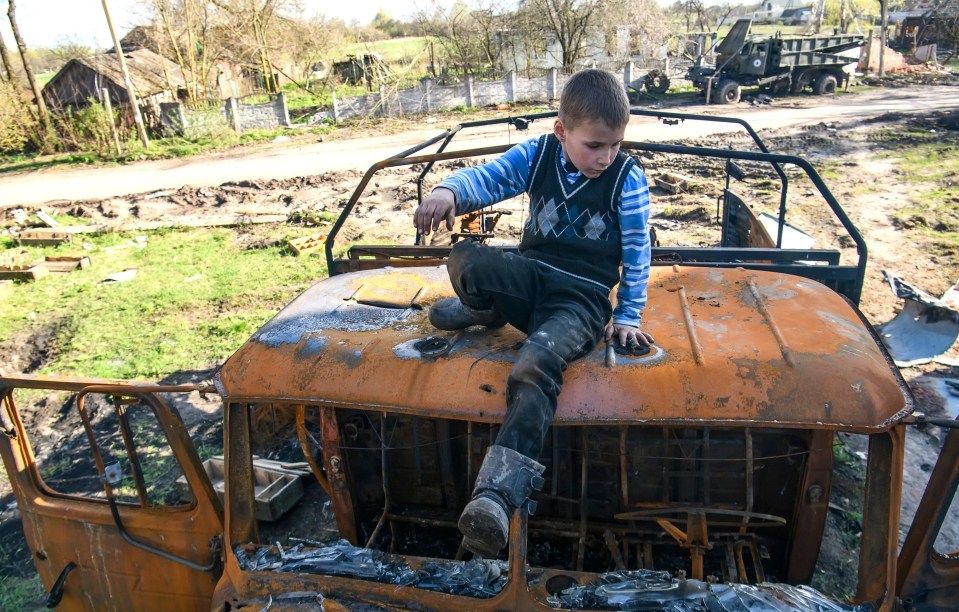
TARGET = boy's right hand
(437,207)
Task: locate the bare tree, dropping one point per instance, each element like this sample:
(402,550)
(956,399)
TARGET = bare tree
(466,34)
(309,42)
(568,21)
(693,12)
(68,49)
(22,47)
(647,25)
(489,19)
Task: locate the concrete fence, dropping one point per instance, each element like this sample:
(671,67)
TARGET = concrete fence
(176,118)
(426,97)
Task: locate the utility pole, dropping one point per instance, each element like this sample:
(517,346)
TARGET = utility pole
(131,93)
(884,19)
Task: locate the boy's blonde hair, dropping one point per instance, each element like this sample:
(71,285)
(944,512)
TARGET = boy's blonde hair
(594,95)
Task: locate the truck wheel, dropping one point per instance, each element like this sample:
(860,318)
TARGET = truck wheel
(825,84)
(657,82)
(727,92)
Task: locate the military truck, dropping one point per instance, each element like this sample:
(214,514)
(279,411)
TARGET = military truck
(777,64)
(694,476)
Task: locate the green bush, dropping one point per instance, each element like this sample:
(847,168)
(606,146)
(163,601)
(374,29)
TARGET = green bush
(88,129)
(17,123)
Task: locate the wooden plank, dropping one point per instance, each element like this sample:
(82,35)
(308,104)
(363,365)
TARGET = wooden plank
(27,273)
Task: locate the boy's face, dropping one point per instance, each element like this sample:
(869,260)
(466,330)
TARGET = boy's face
(591,146)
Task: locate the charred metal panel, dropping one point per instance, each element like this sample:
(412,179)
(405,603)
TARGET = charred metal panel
(733,347)
(400,482)
(741,228)
(111,573)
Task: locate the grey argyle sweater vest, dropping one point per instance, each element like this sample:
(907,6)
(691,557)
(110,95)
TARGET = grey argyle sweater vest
(574,227)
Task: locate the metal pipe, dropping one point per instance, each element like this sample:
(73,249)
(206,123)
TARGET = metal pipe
(583,505)
(386,486)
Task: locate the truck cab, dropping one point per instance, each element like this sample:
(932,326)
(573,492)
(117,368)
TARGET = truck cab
(693,476)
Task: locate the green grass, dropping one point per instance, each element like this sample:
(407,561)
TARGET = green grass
(45,77)
(931,164)
(22,594)
(392,49)
(196,298)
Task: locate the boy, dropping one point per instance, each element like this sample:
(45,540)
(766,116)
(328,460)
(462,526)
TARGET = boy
(589,206)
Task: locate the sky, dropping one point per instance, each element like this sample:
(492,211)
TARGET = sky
(45,23)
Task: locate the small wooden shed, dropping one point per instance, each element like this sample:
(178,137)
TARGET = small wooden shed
(155,79)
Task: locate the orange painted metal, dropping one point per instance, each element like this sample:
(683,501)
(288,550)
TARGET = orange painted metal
(733,347)
(880,519)
(61,528)
(925,575)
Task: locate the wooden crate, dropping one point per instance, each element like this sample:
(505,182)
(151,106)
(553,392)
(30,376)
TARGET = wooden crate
(44,237)
(62,265)
(275,490)
(28,272)
(307,244)
(672,183)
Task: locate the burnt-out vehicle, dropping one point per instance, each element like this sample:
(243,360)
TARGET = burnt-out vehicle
(694,476)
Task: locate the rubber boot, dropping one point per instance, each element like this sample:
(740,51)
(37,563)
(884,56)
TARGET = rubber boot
(505,482)
(451,314)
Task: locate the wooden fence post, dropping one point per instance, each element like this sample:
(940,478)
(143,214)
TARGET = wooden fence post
(336,108)
(108,107)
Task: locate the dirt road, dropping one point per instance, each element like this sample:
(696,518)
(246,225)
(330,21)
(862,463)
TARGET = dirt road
(280,162)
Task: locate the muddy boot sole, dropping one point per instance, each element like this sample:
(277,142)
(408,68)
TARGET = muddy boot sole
(485,527)
(451,314)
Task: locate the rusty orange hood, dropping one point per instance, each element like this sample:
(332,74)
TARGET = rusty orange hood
(733,347)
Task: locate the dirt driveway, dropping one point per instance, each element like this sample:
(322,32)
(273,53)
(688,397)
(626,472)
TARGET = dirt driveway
(282,161)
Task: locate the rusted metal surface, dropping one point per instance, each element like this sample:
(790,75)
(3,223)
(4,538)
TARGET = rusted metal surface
(725,341)
(880,518)
(62,528)
(926,576)
(339,481)
(811,509)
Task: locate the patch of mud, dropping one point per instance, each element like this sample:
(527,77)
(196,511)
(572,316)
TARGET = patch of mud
(28,351)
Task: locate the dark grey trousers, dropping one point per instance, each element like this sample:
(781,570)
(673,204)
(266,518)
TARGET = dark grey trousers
(563,317)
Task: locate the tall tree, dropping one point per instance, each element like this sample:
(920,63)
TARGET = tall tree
(22,47)
(11,76)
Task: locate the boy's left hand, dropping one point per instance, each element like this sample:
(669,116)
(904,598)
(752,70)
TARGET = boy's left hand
(627,335)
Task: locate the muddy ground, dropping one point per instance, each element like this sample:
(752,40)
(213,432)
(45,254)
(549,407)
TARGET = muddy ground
(856,157)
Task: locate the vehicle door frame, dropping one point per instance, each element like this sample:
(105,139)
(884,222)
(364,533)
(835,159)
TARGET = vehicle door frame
(91,552)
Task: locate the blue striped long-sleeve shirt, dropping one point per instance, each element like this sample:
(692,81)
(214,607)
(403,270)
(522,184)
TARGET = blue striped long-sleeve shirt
(505,177)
